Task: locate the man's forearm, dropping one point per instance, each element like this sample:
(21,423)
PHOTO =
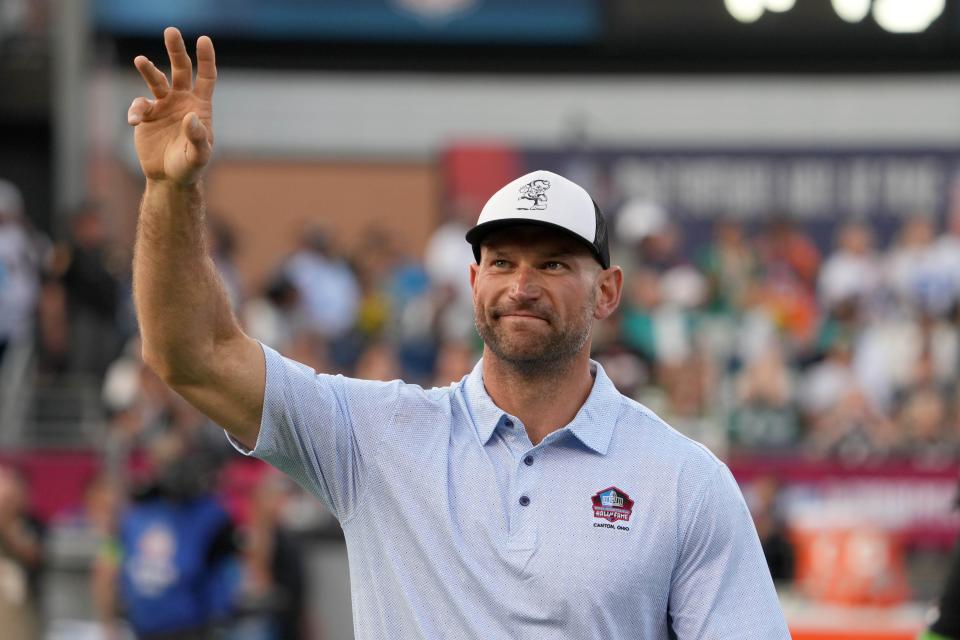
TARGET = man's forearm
(182,307)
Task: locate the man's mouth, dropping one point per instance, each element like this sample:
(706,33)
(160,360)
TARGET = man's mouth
(520,315)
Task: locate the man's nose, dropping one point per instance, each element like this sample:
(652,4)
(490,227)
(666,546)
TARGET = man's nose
(526,283)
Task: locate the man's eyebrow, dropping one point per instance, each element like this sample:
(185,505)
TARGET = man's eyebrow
(560,253)
(546,254)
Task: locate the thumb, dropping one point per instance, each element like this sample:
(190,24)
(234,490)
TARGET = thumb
(194,130)
(196,134)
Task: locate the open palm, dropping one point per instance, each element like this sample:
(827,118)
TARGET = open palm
(173,132)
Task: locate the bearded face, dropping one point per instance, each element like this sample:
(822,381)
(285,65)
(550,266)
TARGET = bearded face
(535,299)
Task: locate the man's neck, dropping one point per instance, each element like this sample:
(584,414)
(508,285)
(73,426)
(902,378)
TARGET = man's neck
(542,403)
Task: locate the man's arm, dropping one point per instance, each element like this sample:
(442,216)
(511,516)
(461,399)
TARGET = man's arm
(190,336)
(721,586)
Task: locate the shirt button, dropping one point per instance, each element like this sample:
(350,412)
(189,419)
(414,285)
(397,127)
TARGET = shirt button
(524,501)
(528,460)
(508,423)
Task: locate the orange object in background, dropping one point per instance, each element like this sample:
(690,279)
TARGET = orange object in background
(852,565)
(852,635)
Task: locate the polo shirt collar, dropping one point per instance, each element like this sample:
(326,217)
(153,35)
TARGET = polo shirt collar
(593,425)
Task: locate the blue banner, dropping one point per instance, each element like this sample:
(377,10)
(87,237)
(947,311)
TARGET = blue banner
(474,21)
(817,188)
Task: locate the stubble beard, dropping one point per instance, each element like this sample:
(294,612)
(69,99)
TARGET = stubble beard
(535,355)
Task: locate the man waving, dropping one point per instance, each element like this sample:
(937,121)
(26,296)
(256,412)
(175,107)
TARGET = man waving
(529,499)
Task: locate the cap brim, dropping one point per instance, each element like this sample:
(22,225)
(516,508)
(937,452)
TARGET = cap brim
(476,235)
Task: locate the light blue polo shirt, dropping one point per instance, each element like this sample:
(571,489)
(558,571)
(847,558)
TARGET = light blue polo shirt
(615,526)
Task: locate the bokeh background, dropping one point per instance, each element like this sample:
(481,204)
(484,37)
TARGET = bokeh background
(782,182)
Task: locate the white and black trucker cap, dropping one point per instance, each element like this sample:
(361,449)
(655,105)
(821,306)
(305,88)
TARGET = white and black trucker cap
(544,199)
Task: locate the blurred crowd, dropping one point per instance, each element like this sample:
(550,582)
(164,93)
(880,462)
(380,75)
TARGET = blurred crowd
(850,353)
(756,339)
(759,339)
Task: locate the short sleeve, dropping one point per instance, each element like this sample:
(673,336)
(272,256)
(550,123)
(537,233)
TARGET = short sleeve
(721,587)
(321,429)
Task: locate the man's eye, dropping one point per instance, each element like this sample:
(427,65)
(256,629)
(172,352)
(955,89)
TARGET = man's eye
(499,263)
(553,265)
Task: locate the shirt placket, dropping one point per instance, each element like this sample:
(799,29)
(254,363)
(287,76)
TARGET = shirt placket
(524,496)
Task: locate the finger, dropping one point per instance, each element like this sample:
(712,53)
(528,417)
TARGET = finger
(181,68)
(206,68)
(198,151)
(154,78)
(139,109)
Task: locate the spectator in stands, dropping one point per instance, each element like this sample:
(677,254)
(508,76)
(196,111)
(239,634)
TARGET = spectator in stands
(275,580)
(429,321)
(101,506)
(390,281)
(131,386)
(92,293)
(628,370)
(646,238)
(374,260)
(638,316)
(786,248)
(944,619)
(840,419)
(922,428)
(914,270)
(326,284)
(21,557)
(947,623)
(936,351)
(103,501)
(20,258)
(454,360)
(447,307)
(643,236)
(685,371)
(853,272)
(143,409)
(447,257)
(173,570)
(898,351)
(312,350)
(764,416)
(765,501)
(658,321)
(843,319)
(660,312)
(276,315)
(223,248)
(788,270)
(947,248)
(730,266)
(378,362)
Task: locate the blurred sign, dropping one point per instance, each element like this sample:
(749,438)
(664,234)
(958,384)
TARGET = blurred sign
(697,187)
(851,566)
(913,501)
(817,188)
(495,21)
(749,185)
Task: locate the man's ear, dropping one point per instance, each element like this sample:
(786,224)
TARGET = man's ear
(609,290)
(474,269)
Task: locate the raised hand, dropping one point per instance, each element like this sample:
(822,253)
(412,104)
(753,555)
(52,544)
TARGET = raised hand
(173,132)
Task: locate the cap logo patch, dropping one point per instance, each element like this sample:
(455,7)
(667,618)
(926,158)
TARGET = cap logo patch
(536,192)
